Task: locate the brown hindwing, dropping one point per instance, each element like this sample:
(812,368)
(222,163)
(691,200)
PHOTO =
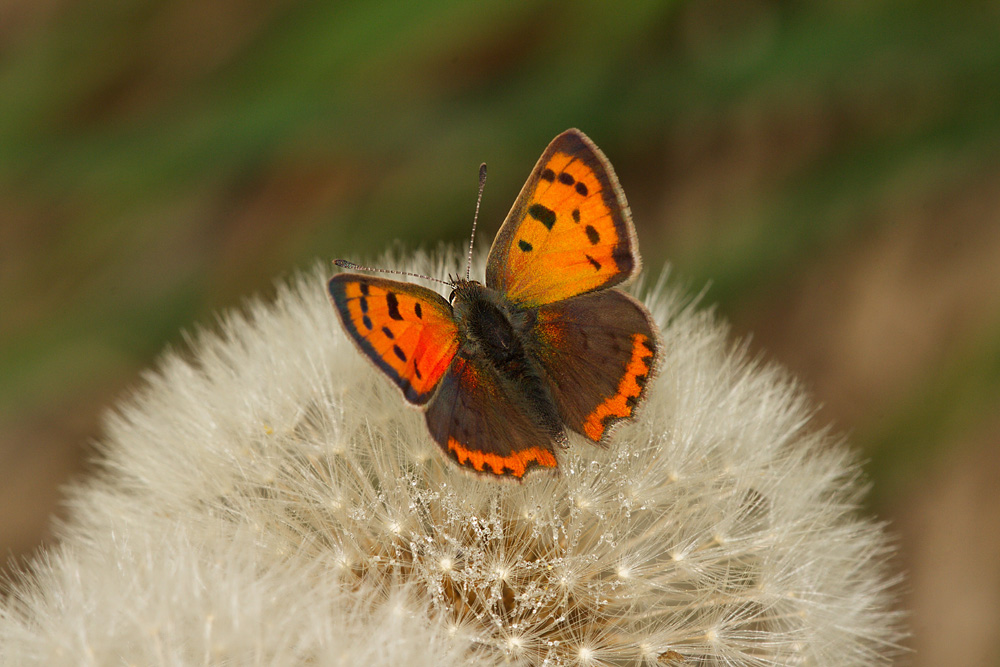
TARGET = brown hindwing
(483,424)
(598,351)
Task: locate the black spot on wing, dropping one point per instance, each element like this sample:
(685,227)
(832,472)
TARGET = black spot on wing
(363,302)
(416,371)
(393,303)
(543,214)
(622,257)
(548,175)
(388,333)
(576,215)
(364,288)
(593,262)
(566,179)
(525,246)
(417,310)
(399,352)
(365,320)
(592,235)
(582,189)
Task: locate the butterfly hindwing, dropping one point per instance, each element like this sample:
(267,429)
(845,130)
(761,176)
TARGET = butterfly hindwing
(407,330)
(598,351)
(569,231)
(487,425)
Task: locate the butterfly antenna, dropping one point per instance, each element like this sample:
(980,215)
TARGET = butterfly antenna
(344,264)
(475,219)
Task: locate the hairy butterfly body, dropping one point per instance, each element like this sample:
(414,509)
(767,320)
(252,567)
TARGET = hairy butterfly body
(502,369)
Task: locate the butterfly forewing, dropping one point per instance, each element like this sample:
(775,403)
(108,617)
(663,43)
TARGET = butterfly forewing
(598,351)
(407,330)
(569,231)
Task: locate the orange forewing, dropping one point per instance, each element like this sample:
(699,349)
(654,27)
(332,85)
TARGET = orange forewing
(569,231)
(408,331)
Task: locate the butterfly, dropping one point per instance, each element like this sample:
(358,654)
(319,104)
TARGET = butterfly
(502,369)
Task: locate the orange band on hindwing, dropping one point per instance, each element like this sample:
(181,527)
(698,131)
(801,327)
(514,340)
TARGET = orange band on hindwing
(621,405)
(514,464)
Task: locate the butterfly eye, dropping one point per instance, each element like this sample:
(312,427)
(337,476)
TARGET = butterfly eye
(451,297)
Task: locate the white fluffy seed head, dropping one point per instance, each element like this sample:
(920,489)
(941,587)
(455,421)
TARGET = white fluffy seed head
(267,498)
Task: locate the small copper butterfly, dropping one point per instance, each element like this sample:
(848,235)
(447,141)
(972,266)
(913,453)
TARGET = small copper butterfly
(502,369)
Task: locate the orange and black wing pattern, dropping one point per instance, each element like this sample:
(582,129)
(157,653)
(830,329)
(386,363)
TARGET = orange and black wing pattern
(569,231)
(406,330)
(485,425)
(598,351)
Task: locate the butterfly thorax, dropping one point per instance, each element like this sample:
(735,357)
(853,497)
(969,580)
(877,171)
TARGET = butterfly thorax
(491,326)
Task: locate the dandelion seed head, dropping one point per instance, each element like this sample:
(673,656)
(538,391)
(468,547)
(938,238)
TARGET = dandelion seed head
(268,498)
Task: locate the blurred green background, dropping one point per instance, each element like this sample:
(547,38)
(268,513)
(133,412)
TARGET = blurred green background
(830,169)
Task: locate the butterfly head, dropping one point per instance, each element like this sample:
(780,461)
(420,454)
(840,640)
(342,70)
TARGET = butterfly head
(464,291)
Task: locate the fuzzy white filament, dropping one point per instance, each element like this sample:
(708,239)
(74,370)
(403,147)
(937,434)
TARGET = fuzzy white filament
(266,499)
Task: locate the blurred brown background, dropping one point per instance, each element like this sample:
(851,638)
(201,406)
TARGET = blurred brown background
(829,168)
